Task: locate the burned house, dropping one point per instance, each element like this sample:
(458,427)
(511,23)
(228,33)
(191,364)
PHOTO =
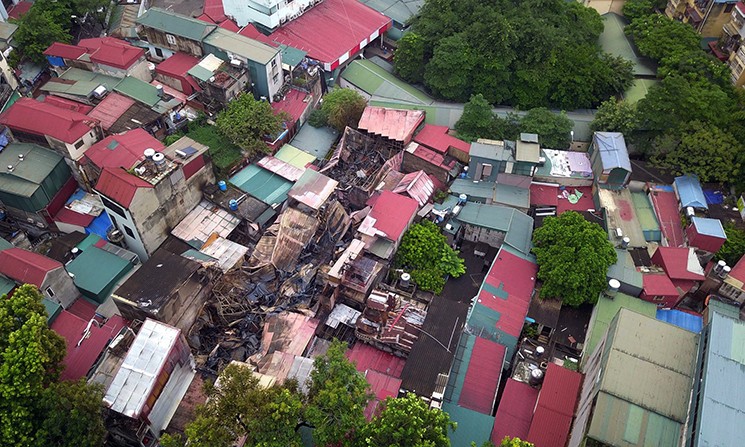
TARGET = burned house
(393,127)
(219,81)
(390,322)
(354,275)
(388,219)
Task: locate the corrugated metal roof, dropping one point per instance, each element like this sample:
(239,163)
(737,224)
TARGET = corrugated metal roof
(176,24)
(138,90)
(262,184)
(97,272)
(685,320)
(491,150)
(281,168)
(679,263)
(722,401)
(624,269)
(41,118)
(666,208)
(119,185)
(481,376)
(557,400)
(203,221)
(709,227)
(228,253)
(243,46)
(604,312)
(417,185)
(64,50)
(394,124)
(374,80)
(437,138)
(6,285)
(472,426)
(689,192)
(110,109)
(136,377)
(294,156)
(315,141)
(27,175)
(517,225)
(366,357)
(515,411)
(650,375)
(391,213)
(295,103)
(612,148)
(312,189)
(26,267)
(112,52)
(123,150)
(658,284)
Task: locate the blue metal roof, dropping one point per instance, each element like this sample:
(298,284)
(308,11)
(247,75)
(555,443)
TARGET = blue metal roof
(687,321)
(690,192)
(709,227)
(612,148)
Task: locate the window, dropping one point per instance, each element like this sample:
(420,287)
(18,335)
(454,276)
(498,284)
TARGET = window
(158,52)
(171,39)
(79,144)
(50,292)
(487,170)
(729,7)
(658,298)
(128,231)
(274,63)
(113,206)
(275,78)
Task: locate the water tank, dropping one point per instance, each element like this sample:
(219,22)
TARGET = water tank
(625,242)
(405,279)
(456,210)
(539,351)
(160,161)
(719,266)
(233,204)
(114,235)
(536,377)
(149,152)
(462,199)
(150,66)
(613,286)
(689,211)
(222,185)
(75,252)
(725,271)
(159,88)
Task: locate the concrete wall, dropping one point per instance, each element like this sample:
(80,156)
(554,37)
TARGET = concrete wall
(158,38)
(474,233)
(138,70)
(413,163)
(69,150)
(59,287)
(717,17)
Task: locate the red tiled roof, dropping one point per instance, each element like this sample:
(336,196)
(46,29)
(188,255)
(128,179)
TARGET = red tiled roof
(433,157)
(332,30)
(482,377)
(123,150)
(392,213)
(557,401)
(437,138)
(112,52)
(658,284)
(685,285)
(27,267)
(251,31)
(64,50)
(177,65)
(80,359)
(68,104)
(119,185)
(295,103)
(544,195)
(214,11)
(366,357)
(29,115)
(674,260)
(515,411)
(71,217)
(15,12)
(665,206)
(515,277)
(382,387)
(738,271)
(394,124)
(110,109)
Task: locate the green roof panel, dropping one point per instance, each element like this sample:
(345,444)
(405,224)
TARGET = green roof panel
(138,90)
(176,24)
(377,82)
(262,184)
(604,312)
(97,272)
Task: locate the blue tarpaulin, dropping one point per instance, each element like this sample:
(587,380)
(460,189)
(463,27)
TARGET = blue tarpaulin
(687,321)
(99,225)
(714,197)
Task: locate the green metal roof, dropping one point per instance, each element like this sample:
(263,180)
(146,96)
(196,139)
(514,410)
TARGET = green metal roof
(89,241)
(291,55)
(632,424)
(82,82)
(53,309)
(316,141)
(399,10)
(237,44)
(604,312)
(377,82)
(176,24)
(639,90)
(4,244)
(613,40)
(97,271)
(625,271)
(262,184)
(6,285)
(517,225)
(138,90)
(28,175)
(472,426)
(512,195)
(294,156)
(478,190)
(200,73)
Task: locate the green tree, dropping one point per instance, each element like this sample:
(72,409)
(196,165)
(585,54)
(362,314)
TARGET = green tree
(343,107)
(615,116)
(337,397)
(634,9)
(477,120)
(573,257)
(514,442)
(447,73)
(701,149)
(36,410)
(658,36)
(246,121)
(38,29)
(238,406)
(553,129)
(425,254)
(734,248)
(409,58)
(408,422)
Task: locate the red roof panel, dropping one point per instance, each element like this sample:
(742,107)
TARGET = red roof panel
(366,357)
(177,65)
(214,10)
(382,387)
(122,151)
(544,195)
(394,124)
(64,50)
(585,202)
(555,408)
(251,31)
(704,241)
(482,377)
(119,185)
(437,138)
(433,157)
(515,411)
(674,260)
(392,213)
(15,12)
(110,109)
(112,52)
(658,284)
(332,30)
(80,359)
(71,217)
(738,271)
(665,205)
(68,104)
(29,115)
(26,267)
(295,103)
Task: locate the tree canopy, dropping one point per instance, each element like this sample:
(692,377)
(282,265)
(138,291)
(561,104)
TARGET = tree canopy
(337,397)
(615,116)
(35,409)
(734,248)
(425,254)
(343,107)
(553,129)
(533,53)
(573,257)
(408,422)
(246,121)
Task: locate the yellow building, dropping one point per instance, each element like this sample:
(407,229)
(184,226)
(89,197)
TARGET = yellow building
(707,16)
